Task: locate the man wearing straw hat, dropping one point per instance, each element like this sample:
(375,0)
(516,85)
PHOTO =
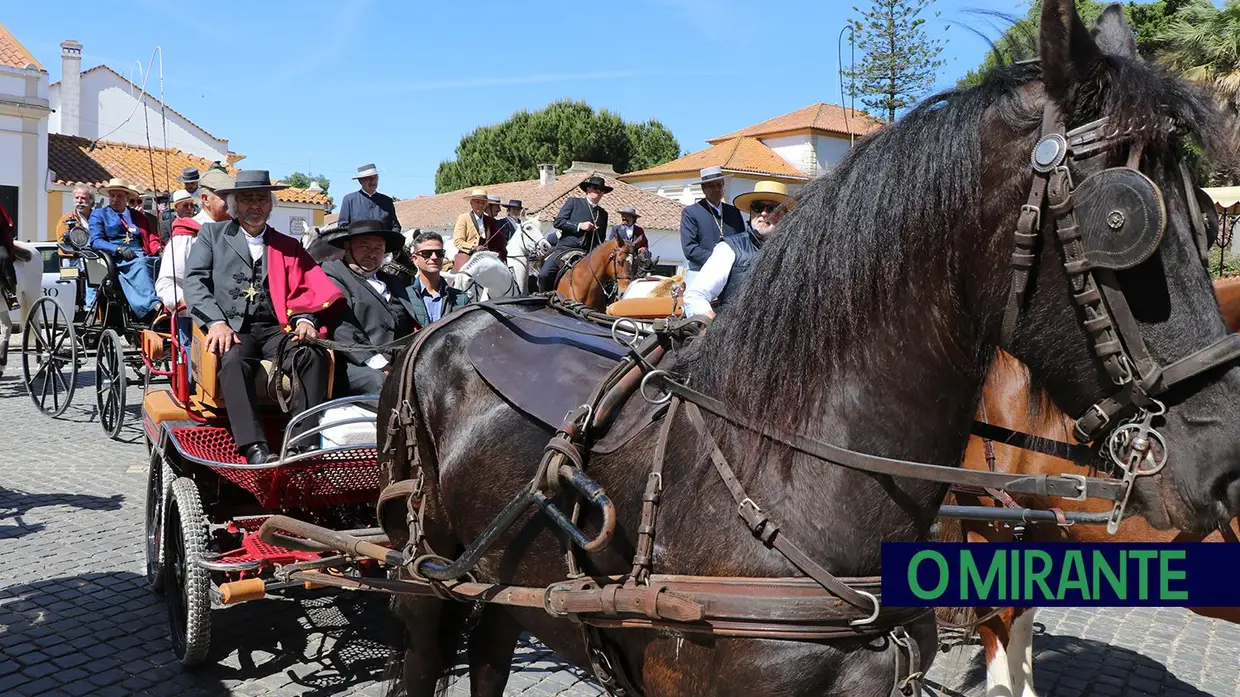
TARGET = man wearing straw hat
(367,203)
(476,230)
(709,220)
(259,294)
(116,229)
(723,274)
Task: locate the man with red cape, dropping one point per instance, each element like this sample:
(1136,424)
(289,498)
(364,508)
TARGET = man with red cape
(250,287)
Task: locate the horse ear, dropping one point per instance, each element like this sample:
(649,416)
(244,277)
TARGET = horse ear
(1113,34)
(1068,52)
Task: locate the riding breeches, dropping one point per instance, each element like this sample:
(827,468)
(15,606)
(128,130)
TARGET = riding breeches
(550,269)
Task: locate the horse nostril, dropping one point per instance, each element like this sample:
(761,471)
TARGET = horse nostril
(1227,491)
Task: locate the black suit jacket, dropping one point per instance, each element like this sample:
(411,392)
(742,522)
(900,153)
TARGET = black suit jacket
(577,210)
(368,320)
(700,230)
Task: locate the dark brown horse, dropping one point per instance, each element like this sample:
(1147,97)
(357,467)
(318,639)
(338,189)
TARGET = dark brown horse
(602,275)
(1007,637)
(870,322)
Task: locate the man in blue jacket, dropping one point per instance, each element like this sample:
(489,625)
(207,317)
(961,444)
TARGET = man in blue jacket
(706,222)
(113,230)
(582,223)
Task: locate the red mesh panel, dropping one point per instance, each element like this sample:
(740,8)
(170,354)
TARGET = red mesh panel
(254,549)
(342,477)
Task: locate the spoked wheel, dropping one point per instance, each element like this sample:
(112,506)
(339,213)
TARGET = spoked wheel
(158,480)
(49,357)
(110,383)
(187,585)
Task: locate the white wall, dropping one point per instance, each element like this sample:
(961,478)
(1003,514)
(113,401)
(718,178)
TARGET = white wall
(797,150)
(107,101)
(283,213)
(23,146)
(830,150)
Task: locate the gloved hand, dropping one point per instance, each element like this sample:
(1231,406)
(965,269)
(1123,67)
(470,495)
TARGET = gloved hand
(126,254)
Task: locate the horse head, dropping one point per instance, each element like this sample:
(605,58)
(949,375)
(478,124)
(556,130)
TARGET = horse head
(485,272)
(898,275)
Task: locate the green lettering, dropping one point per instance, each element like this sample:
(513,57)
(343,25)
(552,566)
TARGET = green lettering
(1143,570)
(1073,566)
(1038,577)
(1014,581)
(970,578)
(1119,584)
(914,586)
(1166,574)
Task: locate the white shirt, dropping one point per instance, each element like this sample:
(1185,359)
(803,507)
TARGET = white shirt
(710,281)
(204,217)
(255,243)
(379,286)
(169,285)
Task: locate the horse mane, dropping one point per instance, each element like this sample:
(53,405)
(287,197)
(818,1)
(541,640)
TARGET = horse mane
(873,235)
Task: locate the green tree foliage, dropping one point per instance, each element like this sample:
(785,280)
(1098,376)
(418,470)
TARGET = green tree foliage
(899,60)
(302,181)
(1202,43)
(560,133)
(1020,40)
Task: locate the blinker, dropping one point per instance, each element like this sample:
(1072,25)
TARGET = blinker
(1122,217)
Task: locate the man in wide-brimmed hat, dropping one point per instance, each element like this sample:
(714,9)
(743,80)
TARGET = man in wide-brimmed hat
(510,225)
(628,231)
(724,272)
(378,310)
(476,230)
(249,285)
(189,177)
(709,220)
(367,203)
(582,223)
(119,230)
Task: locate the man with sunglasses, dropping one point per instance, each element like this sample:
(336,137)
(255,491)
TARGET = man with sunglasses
(723,274)
(431,296)
(378,309)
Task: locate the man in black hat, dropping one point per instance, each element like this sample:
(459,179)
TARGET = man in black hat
(379,311)
(510,225)
(582,223)
(189,177)
(367,203)
(250,286)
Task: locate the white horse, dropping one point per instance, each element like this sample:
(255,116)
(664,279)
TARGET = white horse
(29,267)
(524,254)
(485,276)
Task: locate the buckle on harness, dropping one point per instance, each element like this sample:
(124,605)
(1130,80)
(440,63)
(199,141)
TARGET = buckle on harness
(1080,487)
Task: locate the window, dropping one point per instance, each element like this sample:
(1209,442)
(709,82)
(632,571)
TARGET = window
(9,196)
(297,226)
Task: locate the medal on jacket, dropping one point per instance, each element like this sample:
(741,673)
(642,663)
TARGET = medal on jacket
(128,234)
(250,293)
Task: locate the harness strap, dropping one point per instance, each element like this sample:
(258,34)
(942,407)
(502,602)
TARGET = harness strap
(1080,454)
(643,558)
(767,530)
(1063,486)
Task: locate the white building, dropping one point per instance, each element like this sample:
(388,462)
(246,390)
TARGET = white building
(23,136)
(792,148)
(100,104)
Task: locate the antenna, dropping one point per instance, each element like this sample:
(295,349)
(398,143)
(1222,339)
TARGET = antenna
(839,59)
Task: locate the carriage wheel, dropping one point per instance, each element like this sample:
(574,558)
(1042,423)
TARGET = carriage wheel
(187,585)
(158,480)
(110,383)
(49,357)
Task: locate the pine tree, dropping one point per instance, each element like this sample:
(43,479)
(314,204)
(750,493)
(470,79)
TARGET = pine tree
(900,61)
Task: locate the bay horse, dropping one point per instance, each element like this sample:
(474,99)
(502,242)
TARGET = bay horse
(603,274)
(867,323)
(1007,635)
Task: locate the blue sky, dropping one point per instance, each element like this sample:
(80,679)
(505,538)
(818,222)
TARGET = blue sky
(332,85)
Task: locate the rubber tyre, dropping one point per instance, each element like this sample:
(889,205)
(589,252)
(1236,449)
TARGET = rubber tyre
(110,383)
(187,585)
(158,480)
(53,343)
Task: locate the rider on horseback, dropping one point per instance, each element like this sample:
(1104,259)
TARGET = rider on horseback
(582,223)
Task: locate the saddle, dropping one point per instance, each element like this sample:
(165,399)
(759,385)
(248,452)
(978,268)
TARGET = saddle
(546,363)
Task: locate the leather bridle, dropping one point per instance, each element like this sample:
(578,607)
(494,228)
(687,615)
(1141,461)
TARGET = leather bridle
(1123,417)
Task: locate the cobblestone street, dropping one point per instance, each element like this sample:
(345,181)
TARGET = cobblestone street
(76,617)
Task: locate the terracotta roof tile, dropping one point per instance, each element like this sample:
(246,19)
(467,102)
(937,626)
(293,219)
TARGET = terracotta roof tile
(13,54)
(73,161)
(820,117)
(138,89)
(441,210)
(748,155)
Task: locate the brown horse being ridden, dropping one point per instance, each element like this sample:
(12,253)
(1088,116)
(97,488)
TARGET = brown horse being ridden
(603,274)
(864,324)
(1007,634)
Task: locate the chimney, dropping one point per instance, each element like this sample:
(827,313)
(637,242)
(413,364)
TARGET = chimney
(546,174)
(70,88)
